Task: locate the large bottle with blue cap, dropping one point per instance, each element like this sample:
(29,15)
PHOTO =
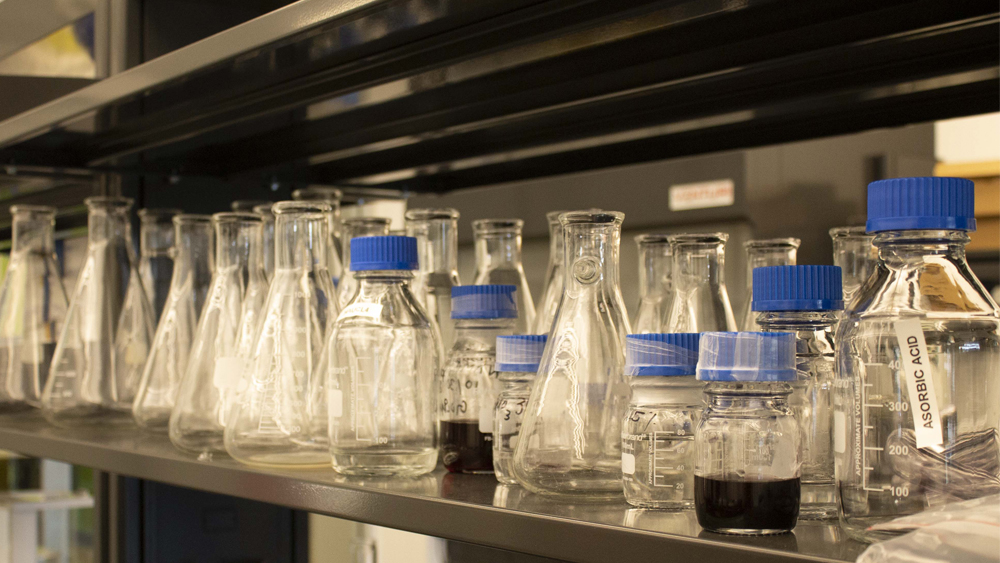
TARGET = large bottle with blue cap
(917,413)
(380,365)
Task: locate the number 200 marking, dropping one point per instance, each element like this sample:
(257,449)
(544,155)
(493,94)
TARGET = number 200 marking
(899,450)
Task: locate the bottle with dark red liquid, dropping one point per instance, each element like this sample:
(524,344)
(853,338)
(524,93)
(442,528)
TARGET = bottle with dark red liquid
(748,461)
(468,388)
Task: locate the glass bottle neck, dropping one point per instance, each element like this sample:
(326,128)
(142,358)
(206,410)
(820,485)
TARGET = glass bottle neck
(591,256)
(482,331)
(794,321)
(498,249)
(747,395)
(372,278)
(301,241)
(898,247)
(34,232)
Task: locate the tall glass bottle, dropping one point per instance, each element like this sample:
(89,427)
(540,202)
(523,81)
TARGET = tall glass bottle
(436,231)
(916,415)
(90,380)
(358,227)
(189,285)
(656,258)
(760,254)
(700,302)
(555,276)
(335,263)
(33,307)
(267,239)
(570,442)
(280,418)
(156,263)
(215,366)
(498,262)
(857,257)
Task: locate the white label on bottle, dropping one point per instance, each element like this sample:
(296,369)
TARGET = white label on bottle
(628,463)
(228,372)
(701,195)
(919,383)
(839,432)
(370,310)
(335,402)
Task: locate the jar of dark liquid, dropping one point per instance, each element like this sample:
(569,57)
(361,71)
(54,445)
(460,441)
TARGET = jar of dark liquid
(747,475)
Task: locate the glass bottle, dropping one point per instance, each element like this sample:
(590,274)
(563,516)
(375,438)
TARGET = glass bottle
(806,300)
(555,276)
(381,365)
(468,391)
(518,357)
(498,261)
(189,285)
(916,415)
(336,263)
(91,379)
(267,239)
(747,461)
(215,365)
(658,429)
(762,253)
(33,307)
(358,227)
(854,252)
(570,440)
(700,302)
(280,417)
(247,205)
(656,258)
(156,264)
(436,231)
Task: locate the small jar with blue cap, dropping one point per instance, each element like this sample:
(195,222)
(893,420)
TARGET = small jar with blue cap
(380,365)
(916,415)
(468,388)
(518,357)
(658,429)
(748,467)
(806,301)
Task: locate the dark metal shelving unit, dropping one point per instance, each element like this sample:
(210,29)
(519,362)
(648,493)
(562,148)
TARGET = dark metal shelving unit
(467,508)
(435,95)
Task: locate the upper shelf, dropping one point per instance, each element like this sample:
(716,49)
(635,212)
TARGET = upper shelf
(434,95)
(469,508)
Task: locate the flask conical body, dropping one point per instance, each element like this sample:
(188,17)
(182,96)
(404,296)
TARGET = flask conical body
(570,441)
(33,307)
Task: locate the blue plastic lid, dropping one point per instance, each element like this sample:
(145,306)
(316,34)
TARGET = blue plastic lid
(483,302)
(747,356)
(906,204)
(383,253)
(661,354)
(520,353)
(797,288)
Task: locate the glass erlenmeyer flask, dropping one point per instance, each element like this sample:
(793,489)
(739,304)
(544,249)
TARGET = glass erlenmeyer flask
(358,227)
(700,302)
(167,361)
(336,263)
(436,231)
(215,366)
(555,275)
(267,239)
(498,262)
(570,442)
(156,264)
(856,254)
(280,418)
(656,260)
(762,253)
(33,307)
(247,205)
(92,379)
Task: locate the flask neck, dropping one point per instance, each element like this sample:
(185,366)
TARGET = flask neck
(437,245)
(591,257)
(498,249)
(698,264)
(301,240)
(104,224)
(155,238)
(238,244)
(194,245)
(368,227)
(656,264)
(33,231)
(556,236)
(762,255)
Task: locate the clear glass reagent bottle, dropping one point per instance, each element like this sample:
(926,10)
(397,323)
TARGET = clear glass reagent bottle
(468,387)
(700,301)
(762,253)
(518,357)
(747,475)
(658,430)
(805,301)
(656,258)
(498,261)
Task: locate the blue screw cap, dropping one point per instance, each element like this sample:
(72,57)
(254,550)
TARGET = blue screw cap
(483,302)
(906,204)
(520,352)
(747,356)
(797,288)
(383,253)
(661,354)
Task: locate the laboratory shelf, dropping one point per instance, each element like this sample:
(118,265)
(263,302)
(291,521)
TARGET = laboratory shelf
(436,95)
(468,508)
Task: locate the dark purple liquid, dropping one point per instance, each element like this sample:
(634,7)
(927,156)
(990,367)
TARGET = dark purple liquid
(464,449)
(746,505)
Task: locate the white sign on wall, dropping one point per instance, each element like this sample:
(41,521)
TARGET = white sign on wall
(701,195)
